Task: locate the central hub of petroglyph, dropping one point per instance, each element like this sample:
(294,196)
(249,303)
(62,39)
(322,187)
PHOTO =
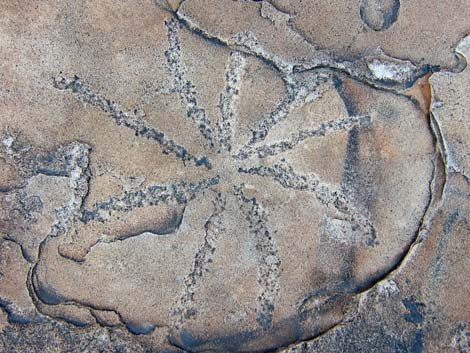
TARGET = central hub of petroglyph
(264,221)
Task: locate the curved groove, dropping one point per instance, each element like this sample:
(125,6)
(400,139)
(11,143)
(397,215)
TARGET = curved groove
(434,204)
(324,59)
(167,228)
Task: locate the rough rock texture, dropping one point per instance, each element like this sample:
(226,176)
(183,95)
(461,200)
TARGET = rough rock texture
(234,176)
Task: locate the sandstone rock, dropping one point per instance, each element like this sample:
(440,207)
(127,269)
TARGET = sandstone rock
(233,176)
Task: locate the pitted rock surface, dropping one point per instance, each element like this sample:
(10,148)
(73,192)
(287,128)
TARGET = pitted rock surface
(226,176)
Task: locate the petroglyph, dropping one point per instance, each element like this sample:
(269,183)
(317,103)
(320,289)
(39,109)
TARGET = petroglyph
(205,175)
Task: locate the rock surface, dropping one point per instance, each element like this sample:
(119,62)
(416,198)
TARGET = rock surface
(234,176)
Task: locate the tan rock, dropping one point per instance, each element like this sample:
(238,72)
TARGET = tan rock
(420,31)
(233,176)
(14,295)
(450,106)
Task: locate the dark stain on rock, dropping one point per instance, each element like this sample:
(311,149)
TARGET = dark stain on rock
(348,103)
(450,221)
(352,161)
(13,317)
(172,224)
(362,174)
(74,321)
(379,15)
(444,240)
(188,340)
(414,308)
(140,328)
(46,293)
(281,334)
(417,342)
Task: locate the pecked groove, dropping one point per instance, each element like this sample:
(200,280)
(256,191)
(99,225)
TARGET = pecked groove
(183,86)
(334,200)
(132,120)
(325,128)
(228,97)
(269,262)
(214,229)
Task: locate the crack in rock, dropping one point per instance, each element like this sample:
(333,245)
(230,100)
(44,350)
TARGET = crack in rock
(393,74)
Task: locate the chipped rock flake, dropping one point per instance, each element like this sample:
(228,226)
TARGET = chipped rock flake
(389,70)
(210,176)
(388,288)
(270,12)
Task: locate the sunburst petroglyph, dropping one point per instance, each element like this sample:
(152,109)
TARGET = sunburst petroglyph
(246,250)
